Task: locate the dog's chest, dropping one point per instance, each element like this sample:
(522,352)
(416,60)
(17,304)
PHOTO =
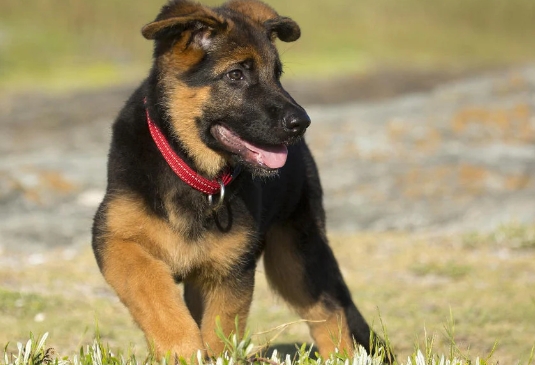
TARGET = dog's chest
(211,249)
(212,253)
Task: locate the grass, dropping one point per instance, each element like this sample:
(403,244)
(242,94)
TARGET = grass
(513,236)
(95,43)
(413,283)
(238,350)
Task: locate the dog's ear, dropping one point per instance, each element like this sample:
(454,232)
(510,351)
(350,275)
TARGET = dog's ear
(179,16)
(277,26)
(284,28)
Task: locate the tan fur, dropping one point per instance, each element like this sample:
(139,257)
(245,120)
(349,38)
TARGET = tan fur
(186,12)
(239,54)
(184,105)
(195,10)
(284,266)
(226,301)
(215,253)
(328,328)
(220,301)
(145,285)
(144,252)
(179,59)
(255,10)
(286,274)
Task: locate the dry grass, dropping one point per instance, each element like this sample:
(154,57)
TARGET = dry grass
(413,281)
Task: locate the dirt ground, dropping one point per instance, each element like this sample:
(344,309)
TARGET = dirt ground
(419,161)
(409,151)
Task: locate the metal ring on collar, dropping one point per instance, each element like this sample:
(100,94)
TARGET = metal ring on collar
(221,197)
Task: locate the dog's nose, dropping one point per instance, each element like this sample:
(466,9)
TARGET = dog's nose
(296,123)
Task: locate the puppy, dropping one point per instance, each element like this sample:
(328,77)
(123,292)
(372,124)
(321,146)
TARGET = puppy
(207,173)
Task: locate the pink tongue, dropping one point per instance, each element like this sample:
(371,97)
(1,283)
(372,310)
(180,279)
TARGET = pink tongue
(273,157)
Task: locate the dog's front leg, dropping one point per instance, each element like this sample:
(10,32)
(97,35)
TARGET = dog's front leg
(227,299)
(145,285)
(300,266)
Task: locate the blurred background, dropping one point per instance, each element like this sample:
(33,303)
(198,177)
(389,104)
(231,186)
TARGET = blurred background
(88,43)
(423,130)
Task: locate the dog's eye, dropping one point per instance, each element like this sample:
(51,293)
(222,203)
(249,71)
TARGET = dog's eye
(235,75)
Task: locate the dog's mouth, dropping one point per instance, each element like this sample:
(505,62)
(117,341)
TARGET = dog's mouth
(265,156)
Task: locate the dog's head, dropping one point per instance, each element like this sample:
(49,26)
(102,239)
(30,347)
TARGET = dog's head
(220,74)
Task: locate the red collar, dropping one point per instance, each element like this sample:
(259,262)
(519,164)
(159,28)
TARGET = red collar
(182,170)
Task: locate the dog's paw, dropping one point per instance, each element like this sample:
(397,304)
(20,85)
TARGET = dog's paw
(186,347)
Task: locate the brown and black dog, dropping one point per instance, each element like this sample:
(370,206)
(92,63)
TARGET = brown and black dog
(214,101)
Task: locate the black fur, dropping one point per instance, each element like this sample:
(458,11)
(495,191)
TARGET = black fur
(254,108)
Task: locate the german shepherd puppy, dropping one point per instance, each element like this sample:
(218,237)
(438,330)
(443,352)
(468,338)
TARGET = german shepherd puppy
(207,172)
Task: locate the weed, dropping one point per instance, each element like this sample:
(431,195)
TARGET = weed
(34,353)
